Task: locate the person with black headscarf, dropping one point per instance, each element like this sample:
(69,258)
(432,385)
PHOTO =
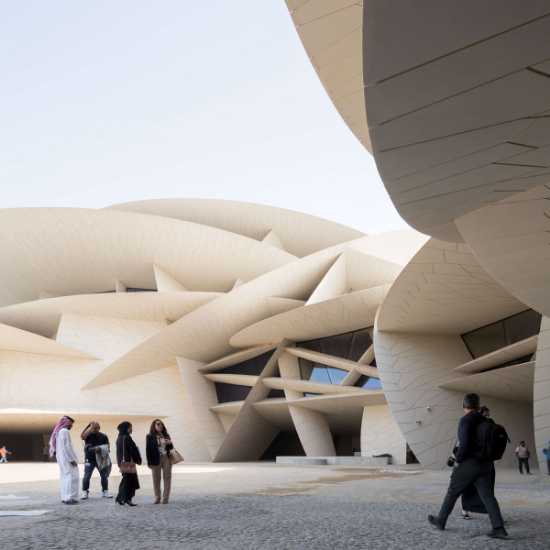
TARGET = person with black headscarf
(126,451)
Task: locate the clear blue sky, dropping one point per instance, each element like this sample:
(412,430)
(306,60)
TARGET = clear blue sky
(104,102)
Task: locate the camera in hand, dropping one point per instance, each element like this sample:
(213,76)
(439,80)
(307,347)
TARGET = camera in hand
(452,459)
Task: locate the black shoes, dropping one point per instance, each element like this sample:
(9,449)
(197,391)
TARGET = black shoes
(497,533)
(435,522)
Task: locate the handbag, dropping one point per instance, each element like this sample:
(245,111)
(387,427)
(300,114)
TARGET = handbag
(175,457)
(127,467)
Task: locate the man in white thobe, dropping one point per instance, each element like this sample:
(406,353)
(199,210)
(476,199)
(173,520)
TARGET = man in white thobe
(62,446)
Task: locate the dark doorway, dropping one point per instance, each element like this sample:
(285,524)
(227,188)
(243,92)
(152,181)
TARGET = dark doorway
(285,444)
(411,459)
(23,447)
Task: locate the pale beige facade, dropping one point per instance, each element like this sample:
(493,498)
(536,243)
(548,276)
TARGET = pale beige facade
(247,329)
(452,100)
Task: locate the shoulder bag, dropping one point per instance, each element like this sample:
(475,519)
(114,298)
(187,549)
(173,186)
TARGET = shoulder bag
(127,467)
(175,457)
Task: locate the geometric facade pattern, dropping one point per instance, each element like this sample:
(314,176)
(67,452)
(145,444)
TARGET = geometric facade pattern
(248,329)
(453,101)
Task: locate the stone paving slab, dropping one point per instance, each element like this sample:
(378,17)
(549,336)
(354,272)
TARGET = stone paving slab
(254,522)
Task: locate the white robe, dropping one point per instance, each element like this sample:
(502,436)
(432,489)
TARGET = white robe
(68,473)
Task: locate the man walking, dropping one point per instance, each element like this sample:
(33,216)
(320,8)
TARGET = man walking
(522,452)
(468,469)
(45,453)
(94,440)
(62,446)
(3,453)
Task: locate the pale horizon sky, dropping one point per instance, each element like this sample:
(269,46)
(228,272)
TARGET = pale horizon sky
(103,103)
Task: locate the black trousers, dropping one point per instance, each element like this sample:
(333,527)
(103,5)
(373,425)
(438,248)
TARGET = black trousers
(523,461)
(548,465)
(478,473)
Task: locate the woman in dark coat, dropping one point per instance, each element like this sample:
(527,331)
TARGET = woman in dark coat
(127,451)
(157,447)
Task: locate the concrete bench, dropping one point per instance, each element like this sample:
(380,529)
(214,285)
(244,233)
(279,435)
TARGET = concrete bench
(333,460)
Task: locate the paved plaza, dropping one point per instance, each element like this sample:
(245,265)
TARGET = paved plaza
(264,506)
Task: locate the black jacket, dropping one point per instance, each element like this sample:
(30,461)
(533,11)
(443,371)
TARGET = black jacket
(130,450)
(467,434)
(152,450)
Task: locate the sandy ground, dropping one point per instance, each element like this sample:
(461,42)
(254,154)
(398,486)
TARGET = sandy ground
(268,478)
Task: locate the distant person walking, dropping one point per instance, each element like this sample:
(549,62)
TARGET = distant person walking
(523,454)
(3,453)
(468,470)
(45,453)
(546,452)
(96,443)
(127,452)
(158,446)
(62,447)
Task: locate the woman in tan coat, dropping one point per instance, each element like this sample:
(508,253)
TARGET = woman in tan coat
(158,446)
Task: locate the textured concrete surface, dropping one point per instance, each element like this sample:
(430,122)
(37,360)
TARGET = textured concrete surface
(268,506)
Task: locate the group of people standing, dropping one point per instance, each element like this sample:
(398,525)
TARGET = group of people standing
(158,445)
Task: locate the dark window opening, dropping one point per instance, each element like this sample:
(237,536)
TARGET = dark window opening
(503,333)
(350,345)
(252,367)
(231,392)
(276,393)
(140,289)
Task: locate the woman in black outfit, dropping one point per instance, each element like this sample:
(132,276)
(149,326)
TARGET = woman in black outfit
(129,483)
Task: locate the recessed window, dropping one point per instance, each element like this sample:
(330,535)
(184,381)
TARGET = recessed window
(500,334)
(351,345)
(140,289)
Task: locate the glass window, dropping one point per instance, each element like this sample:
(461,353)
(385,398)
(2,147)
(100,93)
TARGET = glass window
(317,372)
(140,289)
(360,343)
(486,339)
(312,345)
(252,367)
(336,375)
(522,326)
(373,384)
(337,346)
(368,382)
(231,392)
(503,333)
(320,374)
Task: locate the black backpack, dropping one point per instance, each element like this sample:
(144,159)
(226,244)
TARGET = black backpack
(490,442)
